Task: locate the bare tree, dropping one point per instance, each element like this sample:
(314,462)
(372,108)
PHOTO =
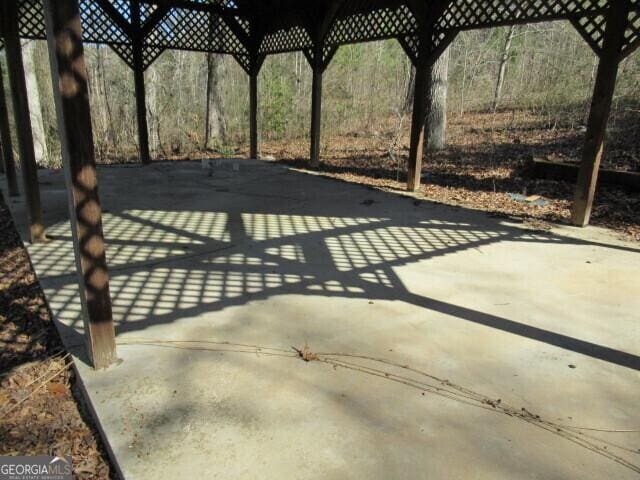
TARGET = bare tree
(215,128)
(503,66)
(37,123)
(102,97)
(364,87)
(152,84)
(437,117)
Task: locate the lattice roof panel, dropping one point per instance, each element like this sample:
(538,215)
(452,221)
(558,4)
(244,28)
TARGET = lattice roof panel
(98,27)
(632,34)
(31,19)
(376,25)
(234,26)
(125,52)
(194,30)
(124,7)
(244,24)
(468,14)
(146,10)
(296,38)
(592,30)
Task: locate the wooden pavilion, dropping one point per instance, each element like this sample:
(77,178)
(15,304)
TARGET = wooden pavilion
(249,30)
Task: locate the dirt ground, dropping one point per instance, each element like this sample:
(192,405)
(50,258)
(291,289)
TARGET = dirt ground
(41,412)
(487,160)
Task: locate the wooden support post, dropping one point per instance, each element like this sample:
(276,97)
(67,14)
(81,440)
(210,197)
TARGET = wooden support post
(138,78)
(7,145)
(253,113)
(69,75)
(316,108)
(23,119)
(600,110)
(418,119)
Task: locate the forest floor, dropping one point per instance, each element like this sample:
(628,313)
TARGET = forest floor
(487,161)
(41,409)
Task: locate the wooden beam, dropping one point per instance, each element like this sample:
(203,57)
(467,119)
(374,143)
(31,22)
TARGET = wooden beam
(253,113)
(316,108)
(201,7)
(7,145)
(23,119)
(332,10)
(115,15)
(138,78)
(419,9)
(237,30)
(153,19)
(605,83)
(69,75)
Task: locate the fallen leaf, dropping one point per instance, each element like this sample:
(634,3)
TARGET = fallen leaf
(57,389)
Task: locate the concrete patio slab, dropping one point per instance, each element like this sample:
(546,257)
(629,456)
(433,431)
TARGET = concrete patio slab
(435,327)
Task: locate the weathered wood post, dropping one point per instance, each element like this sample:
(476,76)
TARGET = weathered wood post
(138,77)
(253,108)
(319,61)
(614,38)
(7,145)
(23,119)
(70,85)
(316,106)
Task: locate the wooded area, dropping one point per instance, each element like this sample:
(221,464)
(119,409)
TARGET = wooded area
(544,69)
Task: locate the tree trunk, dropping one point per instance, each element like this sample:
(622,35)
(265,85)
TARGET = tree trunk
(503,66)
(103,98)
(437,116)
(37,123)
(153,113)
(411,86)
(214,134)
(437,98)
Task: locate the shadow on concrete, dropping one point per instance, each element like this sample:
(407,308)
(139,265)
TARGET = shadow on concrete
(170,264)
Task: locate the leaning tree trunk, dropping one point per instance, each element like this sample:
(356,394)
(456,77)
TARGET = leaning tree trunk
(214,134)
(35,110)
(437,117)
(503,66)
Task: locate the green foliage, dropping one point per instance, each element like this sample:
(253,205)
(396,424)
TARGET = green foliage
(277,97)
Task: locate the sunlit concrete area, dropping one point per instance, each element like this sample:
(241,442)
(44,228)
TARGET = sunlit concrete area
(440,342)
